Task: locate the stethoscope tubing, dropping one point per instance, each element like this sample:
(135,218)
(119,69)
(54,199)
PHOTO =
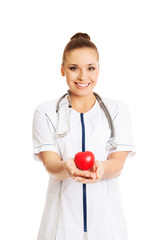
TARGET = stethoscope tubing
(111,141)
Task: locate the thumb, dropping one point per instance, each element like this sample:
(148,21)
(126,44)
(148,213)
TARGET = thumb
(94,167)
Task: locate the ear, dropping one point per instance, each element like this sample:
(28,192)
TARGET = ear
(98,69)
(62,70)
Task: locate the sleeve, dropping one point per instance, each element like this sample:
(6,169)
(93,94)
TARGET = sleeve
(42,134)
(123,130)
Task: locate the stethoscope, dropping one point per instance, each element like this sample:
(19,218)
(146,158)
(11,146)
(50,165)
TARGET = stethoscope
(111,144)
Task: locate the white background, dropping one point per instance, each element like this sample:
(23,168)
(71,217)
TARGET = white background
(33,36)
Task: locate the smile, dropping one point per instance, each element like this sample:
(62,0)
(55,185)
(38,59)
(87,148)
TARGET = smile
(82,85)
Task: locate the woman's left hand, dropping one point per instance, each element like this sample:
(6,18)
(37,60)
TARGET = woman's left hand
(97,168)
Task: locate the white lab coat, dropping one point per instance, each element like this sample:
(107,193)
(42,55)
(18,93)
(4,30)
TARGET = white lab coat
(63,213)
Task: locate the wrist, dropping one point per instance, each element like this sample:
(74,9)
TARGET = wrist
(64,167)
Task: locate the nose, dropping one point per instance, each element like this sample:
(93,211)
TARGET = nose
(82,75)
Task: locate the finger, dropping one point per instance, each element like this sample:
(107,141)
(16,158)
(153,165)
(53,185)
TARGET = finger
(95,166)
(89,181)
(100,174)
(84,180)
(78,179)
(84,174)
(70,171)
(88,174)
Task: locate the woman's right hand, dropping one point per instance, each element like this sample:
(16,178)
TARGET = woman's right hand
(73,171)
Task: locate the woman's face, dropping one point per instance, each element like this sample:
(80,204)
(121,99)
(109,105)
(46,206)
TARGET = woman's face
(81,69)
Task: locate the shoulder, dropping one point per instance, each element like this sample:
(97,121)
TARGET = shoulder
(114,103)
(115,106)
(47,106)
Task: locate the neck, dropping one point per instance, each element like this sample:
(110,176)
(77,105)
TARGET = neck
(82,103)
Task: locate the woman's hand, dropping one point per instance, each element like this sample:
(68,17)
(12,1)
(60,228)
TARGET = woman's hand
(75,172)
(97,169)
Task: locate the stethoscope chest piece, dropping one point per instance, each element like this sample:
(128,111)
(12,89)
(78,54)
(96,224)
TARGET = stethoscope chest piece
(111,145)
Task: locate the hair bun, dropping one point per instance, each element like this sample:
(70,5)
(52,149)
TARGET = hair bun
(80,35)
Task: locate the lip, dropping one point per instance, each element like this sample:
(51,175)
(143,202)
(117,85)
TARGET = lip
(80,86)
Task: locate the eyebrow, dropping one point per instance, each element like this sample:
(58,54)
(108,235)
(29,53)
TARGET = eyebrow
(87,64)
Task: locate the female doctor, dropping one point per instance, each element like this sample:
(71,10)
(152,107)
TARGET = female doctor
(82,204)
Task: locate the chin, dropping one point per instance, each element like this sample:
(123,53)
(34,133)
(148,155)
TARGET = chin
(81,92)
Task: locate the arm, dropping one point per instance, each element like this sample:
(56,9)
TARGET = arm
(114,165)
(59,169)
(53,164)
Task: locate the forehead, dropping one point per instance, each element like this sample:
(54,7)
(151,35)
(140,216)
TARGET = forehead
(82,56)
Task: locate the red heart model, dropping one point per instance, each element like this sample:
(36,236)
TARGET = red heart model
(84,160)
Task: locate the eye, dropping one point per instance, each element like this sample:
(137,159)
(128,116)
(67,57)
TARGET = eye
(91,68)
(73,68)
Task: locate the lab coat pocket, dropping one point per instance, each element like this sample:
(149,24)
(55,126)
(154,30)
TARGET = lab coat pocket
(118,222)
(54,187)
(113,186)
(49,222)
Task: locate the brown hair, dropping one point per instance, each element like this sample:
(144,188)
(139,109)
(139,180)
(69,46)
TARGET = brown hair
(79,40)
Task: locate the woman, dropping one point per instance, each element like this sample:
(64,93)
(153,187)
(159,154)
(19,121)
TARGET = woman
(82,204)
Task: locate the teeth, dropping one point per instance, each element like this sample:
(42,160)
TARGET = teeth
(82,85)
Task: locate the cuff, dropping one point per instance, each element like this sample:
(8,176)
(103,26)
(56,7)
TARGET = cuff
(43,148)
(129,148)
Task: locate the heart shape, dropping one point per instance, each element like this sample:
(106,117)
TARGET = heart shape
(84,160)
